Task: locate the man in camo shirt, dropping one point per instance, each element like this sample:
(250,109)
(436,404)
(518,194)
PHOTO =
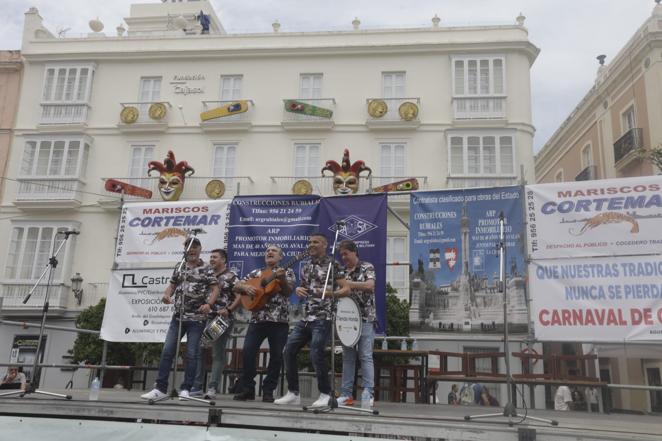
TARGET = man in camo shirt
(196,286)
(316,325)
(360,286)
(270,322)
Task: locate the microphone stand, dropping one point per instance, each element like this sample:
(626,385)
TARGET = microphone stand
(36,369)
(173,392)
(333,402)
(509,410)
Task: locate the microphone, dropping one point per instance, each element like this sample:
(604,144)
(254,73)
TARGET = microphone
(340,222)
(196,230)
(69,232)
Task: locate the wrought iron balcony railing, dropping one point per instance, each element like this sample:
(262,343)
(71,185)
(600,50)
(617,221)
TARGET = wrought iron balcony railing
(631,140)
(588,174)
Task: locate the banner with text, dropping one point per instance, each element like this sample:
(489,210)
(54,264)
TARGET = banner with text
(154,232)
(258,221)
(454,240)
(134,312)
(361,219)
(594,218)
(601,299)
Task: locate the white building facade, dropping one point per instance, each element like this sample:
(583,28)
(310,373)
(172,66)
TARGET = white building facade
(471,86)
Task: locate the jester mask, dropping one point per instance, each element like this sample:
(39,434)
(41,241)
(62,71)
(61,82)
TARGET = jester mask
(346,176)
(173,173)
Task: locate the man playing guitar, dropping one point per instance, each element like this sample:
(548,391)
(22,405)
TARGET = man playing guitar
(270,322)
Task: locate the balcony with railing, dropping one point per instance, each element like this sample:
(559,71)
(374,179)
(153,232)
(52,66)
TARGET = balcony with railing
(306,114)
(144,116)
(478,107)
(323,185)
(63,113)
(41,192)
(227,120)
(625,148)
(13,294)
(393,113)
(195,188)
(480,181)
(588,174)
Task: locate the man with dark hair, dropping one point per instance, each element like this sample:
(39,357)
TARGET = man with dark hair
(195,289)
(14,378)
(269,322)
(226,304)
(360,286)
(316,324)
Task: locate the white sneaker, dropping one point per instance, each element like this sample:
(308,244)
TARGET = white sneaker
(345,401)
(322,401)
(289,398)
(183,394)
(154,394)
(211,393)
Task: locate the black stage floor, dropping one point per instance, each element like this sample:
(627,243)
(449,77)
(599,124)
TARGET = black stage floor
(395,420)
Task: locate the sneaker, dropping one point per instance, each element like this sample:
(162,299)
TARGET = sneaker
(183,394)
(345,401)
(244,396)
(154,394)
(211,393)
(322,401)
(289,398)
(195,393)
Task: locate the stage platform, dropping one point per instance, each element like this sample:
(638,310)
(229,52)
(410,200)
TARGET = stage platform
(34,413)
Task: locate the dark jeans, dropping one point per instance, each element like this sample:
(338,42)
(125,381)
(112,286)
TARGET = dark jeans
(276,335)
(317,333)
(193,332)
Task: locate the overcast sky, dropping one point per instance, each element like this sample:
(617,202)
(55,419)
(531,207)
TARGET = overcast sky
(570,33)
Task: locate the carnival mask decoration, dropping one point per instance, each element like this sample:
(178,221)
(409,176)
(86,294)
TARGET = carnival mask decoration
(346,176)
(173,173)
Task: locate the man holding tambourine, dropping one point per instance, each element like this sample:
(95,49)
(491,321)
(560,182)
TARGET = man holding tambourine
(360,285)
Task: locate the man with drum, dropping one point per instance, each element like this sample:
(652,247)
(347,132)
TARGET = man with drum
(360,287)
(271,323)
(194,285)
(226,303)
(316,324)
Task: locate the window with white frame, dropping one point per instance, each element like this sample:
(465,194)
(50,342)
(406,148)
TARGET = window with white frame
(587,156)
(224,160)
(67,84)
(306,160)
(310,86)
(558,177)
(30,246)
(231,87)
(397,275)
(393,84)
(150,89)
(140,157)
(480,76)
(481,154)
(628,120)
(55,158)
(391,160)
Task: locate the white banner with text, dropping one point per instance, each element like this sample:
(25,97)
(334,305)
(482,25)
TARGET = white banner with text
(594,218)
(606,299)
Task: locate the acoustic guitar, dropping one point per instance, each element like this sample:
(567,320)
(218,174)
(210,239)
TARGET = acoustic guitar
(266,285)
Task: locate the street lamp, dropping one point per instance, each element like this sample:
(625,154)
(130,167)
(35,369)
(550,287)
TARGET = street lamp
(77,287)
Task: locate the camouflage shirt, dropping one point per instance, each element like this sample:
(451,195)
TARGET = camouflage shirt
(313,276)
(276,308)
(195,285)
(363,272)
(226,296)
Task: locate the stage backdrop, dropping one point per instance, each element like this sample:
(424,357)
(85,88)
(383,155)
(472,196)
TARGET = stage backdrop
(363,220)
(154,232)
(609,217)
(453,249)
(134,312)
(603,299)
